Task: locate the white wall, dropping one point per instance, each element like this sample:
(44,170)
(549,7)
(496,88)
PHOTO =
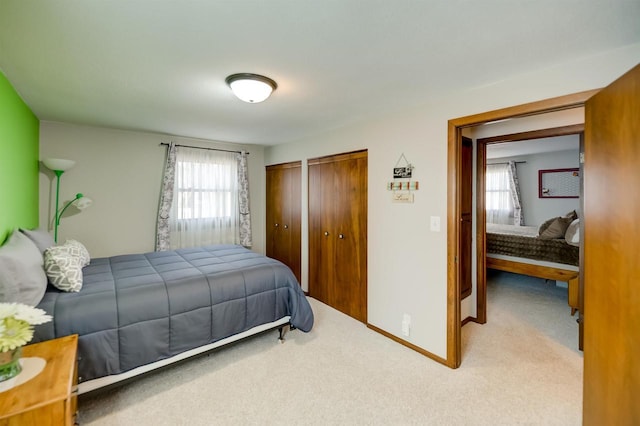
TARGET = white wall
(536,210)
(407,263)
(122,172)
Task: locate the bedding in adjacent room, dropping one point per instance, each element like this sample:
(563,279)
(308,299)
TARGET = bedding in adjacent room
(524,242)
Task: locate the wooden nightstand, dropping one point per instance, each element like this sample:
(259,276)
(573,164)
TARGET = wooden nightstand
(50,398)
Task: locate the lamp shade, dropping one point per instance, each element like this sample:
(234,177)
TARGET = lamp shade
(252,88)
(83,202)
(58,164)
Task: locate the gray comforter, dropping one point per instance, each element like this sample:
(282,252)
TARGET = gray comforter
(137,309)
(523,241)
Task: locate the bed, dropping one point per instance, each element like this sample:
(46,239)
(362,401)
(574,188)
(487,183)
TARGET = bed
(139,312)
(523,242)
(520,250)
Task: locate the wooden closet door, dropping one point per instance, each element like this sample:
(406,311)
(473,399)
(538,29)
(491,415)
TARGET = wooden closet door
(283,214)
(321,232)
(338,232)
(293,218)
(351,242)
(274,212)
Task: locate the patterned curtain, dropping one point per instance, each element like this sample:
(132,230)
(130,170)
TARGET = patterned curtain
(243,200)
(163,241)
(514,188)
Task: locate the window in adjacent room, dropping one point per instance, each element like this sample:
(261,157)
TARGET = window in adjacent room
(499,201)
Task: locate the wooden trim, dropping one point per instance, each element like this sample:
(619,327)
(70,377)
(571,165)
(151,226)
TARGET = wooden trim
(407,344)
(467,320)
(290,165)
(338,157)
(539,271)
(481,232)
(454,342)
(535,134)
(533,108)
(455,126)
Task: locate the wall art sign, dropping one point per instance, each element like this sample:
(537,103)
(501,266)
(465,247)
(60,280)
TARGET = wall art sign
(402,169)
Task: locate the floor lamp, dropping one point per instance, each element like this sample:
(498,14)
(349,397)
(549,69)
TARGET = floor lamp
(59,166)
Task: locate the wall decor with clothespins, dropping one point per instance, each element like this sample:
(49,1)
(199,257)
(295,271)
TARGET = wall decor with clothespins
(402,188)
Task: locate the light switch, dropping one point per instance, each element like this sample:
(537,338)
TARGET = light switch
(435,223)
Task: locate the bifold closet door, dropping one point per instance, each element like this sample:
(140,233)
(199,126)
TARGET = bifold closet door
(283,188)
(338,232)
(321,238)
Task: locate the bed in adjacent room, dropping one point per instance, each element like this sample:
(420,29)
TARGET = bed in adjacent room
(134,313)
(541,252)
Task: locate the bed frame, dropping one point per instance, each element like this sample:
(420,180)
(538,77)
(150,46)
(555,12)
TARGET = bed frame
(90,385)
(541,271)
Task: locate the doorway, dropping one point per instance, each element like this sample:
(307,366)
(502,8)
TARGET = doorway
(454,202)
(523,268)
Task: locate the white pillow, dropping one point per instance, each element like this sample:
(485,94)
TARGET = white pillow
(22,278)
(572,236)
(40,237)
(63,265)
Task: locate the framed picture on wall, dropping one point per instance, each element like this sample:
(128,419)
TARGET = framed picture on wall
(401,172)
(559,183)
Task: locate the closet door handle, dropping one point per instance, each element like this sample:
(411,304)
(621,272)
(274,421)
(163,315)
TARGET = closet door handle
(341,236)
(277,224)
(326,233)
(286,227)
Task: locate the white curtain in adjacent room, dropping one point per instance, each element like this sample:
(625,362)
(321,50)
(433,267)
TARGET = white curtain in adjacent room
(499,200)
(205,200)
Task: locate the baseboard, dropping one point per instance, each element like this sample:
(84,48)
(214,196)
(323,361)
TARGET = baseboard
(408,345)
(468,320)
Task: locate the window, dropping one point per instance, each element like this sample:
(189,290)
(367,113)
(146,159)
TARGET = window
(204,190)
(499,201)
(205,208)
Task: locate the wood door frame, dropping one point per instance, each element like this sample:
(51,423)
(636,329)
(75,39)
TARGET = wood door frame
(481,213)
(455,126)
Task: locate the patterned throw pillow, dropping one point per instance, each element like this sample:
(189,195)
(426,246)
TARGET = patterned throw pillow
(63,265)
(83,252)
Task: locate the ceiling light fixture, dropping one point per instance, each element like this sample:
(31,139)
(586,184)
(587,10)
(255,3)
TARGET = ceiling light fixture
(252,88)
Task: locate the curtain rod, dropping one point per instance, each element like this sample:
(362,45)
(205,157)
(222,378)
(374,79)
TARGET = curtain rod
(517,162)
(199,147)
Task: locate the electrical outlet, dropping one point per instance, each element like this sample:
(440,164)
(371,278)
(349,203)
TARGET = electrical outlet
(435,223)
(406,325)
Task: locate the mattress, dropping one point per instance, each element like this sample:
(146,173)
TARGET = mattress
(523,241)
(138,309)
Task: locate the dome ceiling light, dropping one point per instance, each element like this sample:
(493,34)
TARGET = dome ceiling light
(252,88)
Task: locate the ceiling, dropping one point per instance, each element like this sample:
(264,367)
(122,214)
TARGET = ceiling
(160,65)
(535,146)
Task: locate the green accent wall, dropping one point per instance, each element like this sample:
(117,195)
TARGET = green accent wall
(19,145)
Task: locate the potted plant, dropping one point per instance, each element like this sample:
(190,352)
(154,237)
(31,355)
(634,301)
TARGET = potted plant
(16,330)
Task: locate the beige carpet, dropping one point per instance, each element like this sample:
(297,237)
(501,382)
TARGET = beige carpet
(517,369)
